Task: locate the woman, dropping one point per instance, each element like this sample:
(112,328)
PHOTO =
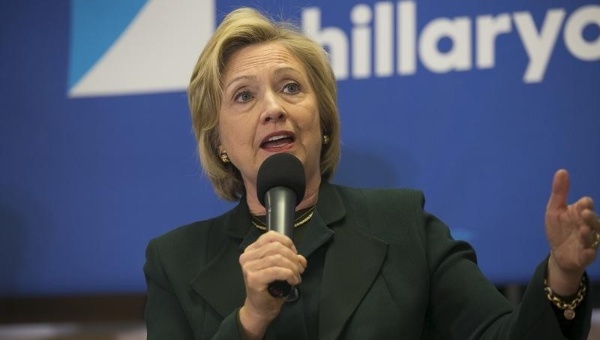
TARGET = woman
(368,264)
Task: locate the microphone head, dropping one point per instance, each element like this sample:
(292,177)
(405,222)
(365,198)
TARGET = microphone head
(281,170)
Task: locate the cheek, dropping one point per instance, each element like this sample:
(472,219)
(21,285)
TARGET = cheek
(310,116)
(226,135)
(312,139)
(236,133)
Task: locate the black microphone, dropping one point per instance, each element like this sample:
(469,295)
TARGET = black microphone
(280,188)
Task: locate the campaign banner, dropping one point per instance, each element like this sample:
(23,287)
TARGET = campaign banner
(475,103)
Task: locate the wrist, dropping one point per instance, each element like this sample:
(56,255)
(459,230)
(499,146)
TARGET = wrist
(569,305)
(562,282)
(252,325)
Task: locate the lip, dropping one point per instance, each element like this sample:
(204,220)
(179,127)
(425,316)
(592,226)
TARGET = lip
(277,135)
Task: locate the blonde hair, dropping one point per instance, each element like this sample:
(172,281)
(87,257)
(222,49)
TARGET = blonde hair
(241,28)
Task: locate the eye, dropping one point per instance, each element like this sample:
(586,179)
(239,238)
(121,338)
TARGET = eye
(243,96)
(291,88)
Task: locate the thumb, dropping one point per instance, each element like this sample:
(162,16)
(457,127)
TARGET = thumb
(560,190)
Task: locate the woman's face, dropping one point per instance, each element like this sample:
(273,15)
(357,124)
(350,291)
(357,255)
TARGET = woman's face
(268,106)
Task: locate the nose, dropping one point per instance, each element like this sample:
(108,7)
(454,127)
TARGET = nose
(273,109)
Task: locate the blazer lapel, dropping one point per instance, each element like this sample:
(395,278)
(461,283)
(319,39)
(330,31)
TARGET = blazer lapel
(211,282)
(221,282)
(352,263)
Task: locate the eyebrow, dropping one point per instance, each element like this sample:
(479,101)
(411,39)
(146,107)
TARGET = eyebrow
(278,71)
(236,79)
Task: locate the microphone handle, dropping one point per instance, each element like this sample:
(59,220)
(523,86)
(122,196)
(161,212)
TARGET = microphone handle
(280,202)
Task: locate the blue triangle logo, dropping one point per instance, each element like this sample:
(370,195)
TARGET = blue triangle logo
(95,25)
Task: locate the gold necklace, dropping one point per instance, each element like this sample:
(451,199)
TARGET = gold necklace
(302,219)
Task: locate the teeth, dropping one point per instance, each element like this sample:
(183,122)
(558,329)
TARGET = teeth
(274,138)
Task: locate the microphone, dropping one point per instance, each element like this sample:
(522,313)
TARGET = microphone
(280,187)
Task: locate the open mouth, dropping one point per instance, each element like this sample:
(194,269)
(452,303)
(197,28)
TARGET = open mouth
(277,141)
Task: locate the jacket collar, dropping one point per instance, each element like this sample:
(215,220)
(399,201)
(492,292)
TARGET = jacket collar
(338,298)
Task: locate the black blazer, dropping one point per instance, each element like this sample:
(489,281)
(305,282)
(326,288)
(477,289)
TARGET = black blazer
(391,271)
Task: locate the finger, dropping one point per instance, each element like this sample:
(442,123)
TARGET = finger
(267,249)
(272,254)
(304,263)
(254,262)
(595,241)
(266,266)
(582,212)
(589,234)
(259,281)
(560,190)
(266,276)
(590,217)
(584,203)
(274,260)
(272,236)
(590,238)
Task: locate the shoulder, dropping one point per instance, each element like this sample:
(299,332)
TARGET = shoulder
(386,213)
(381,198)
(188,233)
(191,239)
(176,257)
